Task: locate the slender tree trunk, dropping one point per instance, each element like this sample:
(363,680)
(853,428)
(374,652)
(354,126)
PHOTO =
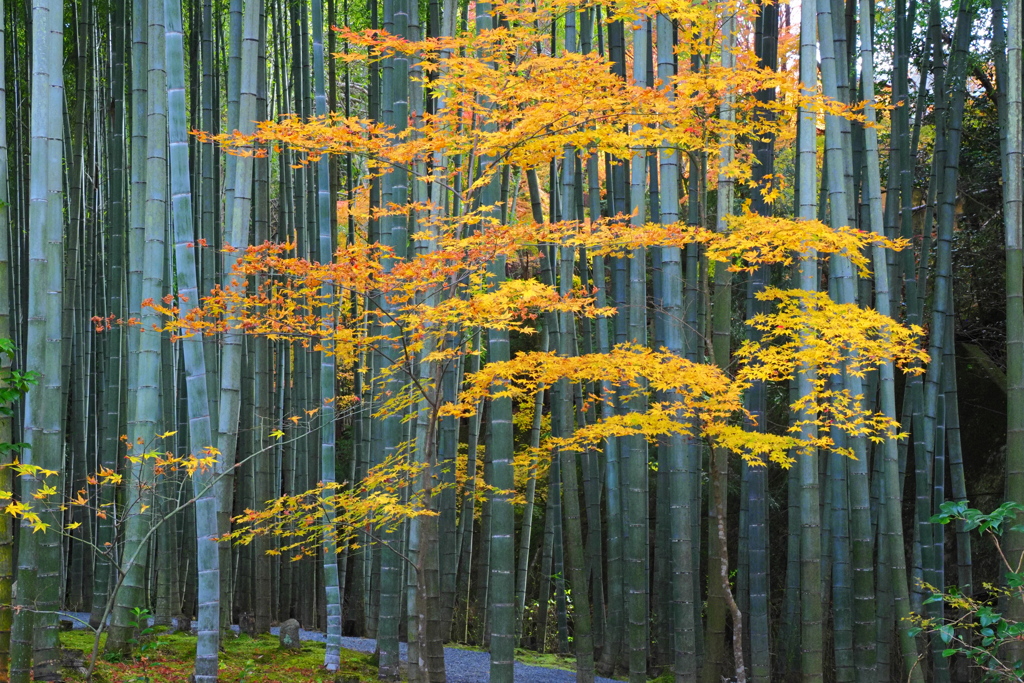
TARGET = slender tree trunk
(143,431)
(200,435)
(719,591)
(526,530)
(1013,198)
(6,357)
(854,591)
(766,47)
(635,458)
(42,423)
(113,395)
(39,554)
(237,237)
(891,489)
(328,390)
(811,637)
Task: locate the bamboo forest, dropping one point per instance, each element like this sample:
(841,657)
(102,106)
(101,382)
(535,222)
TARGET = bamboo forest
(511,340)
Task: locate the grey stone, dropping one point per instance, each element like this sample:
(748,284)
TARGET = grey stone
(289,635)
(247,624)
(72,659)
(182,624)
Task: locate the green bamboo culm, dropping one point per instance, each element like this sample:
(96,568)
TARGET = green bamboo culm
(328,372)
(1013,216)
(116,337)
(890,485)
(853,592)
(634,457)
(933,557)
(499,529)
(755,477)
(6,430)
(80,345)
(811,639)
(684,591)
(139,475)
(236,238)
(563,396)
(394,234)
(200,434)
(35,641)
(609,332)
(265,483)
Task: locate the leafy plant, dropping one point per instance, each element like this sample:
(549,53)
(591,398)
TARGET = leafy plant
(144,641)
(13,386)
(980,631)
(248,671)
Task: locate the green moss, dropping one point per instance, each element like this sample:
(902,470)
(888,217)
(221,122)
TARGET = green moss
(667,677)
(552,661)
(243,659)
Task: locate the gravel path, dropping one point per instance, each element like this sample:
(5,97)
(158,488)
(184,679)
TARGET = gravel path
(462,666)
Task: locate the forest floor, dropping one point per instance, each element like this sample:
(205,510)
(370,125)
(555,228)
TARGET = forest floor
(168,658)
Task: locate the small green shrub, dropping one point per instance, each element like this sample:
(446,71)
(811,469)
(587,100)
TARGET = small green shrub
(979,631)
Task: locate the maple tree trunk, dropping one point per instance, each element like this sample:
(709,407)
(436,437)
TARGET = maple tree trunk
(163,569)
(721,307)
(739,668)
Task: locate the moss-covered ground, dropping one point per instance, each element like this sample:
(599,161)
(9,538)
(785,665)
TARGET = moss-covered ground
(168,658)
(548,659)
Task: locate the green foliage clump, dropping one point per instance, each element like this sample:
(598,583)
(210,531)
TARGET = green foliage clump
(979,628)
